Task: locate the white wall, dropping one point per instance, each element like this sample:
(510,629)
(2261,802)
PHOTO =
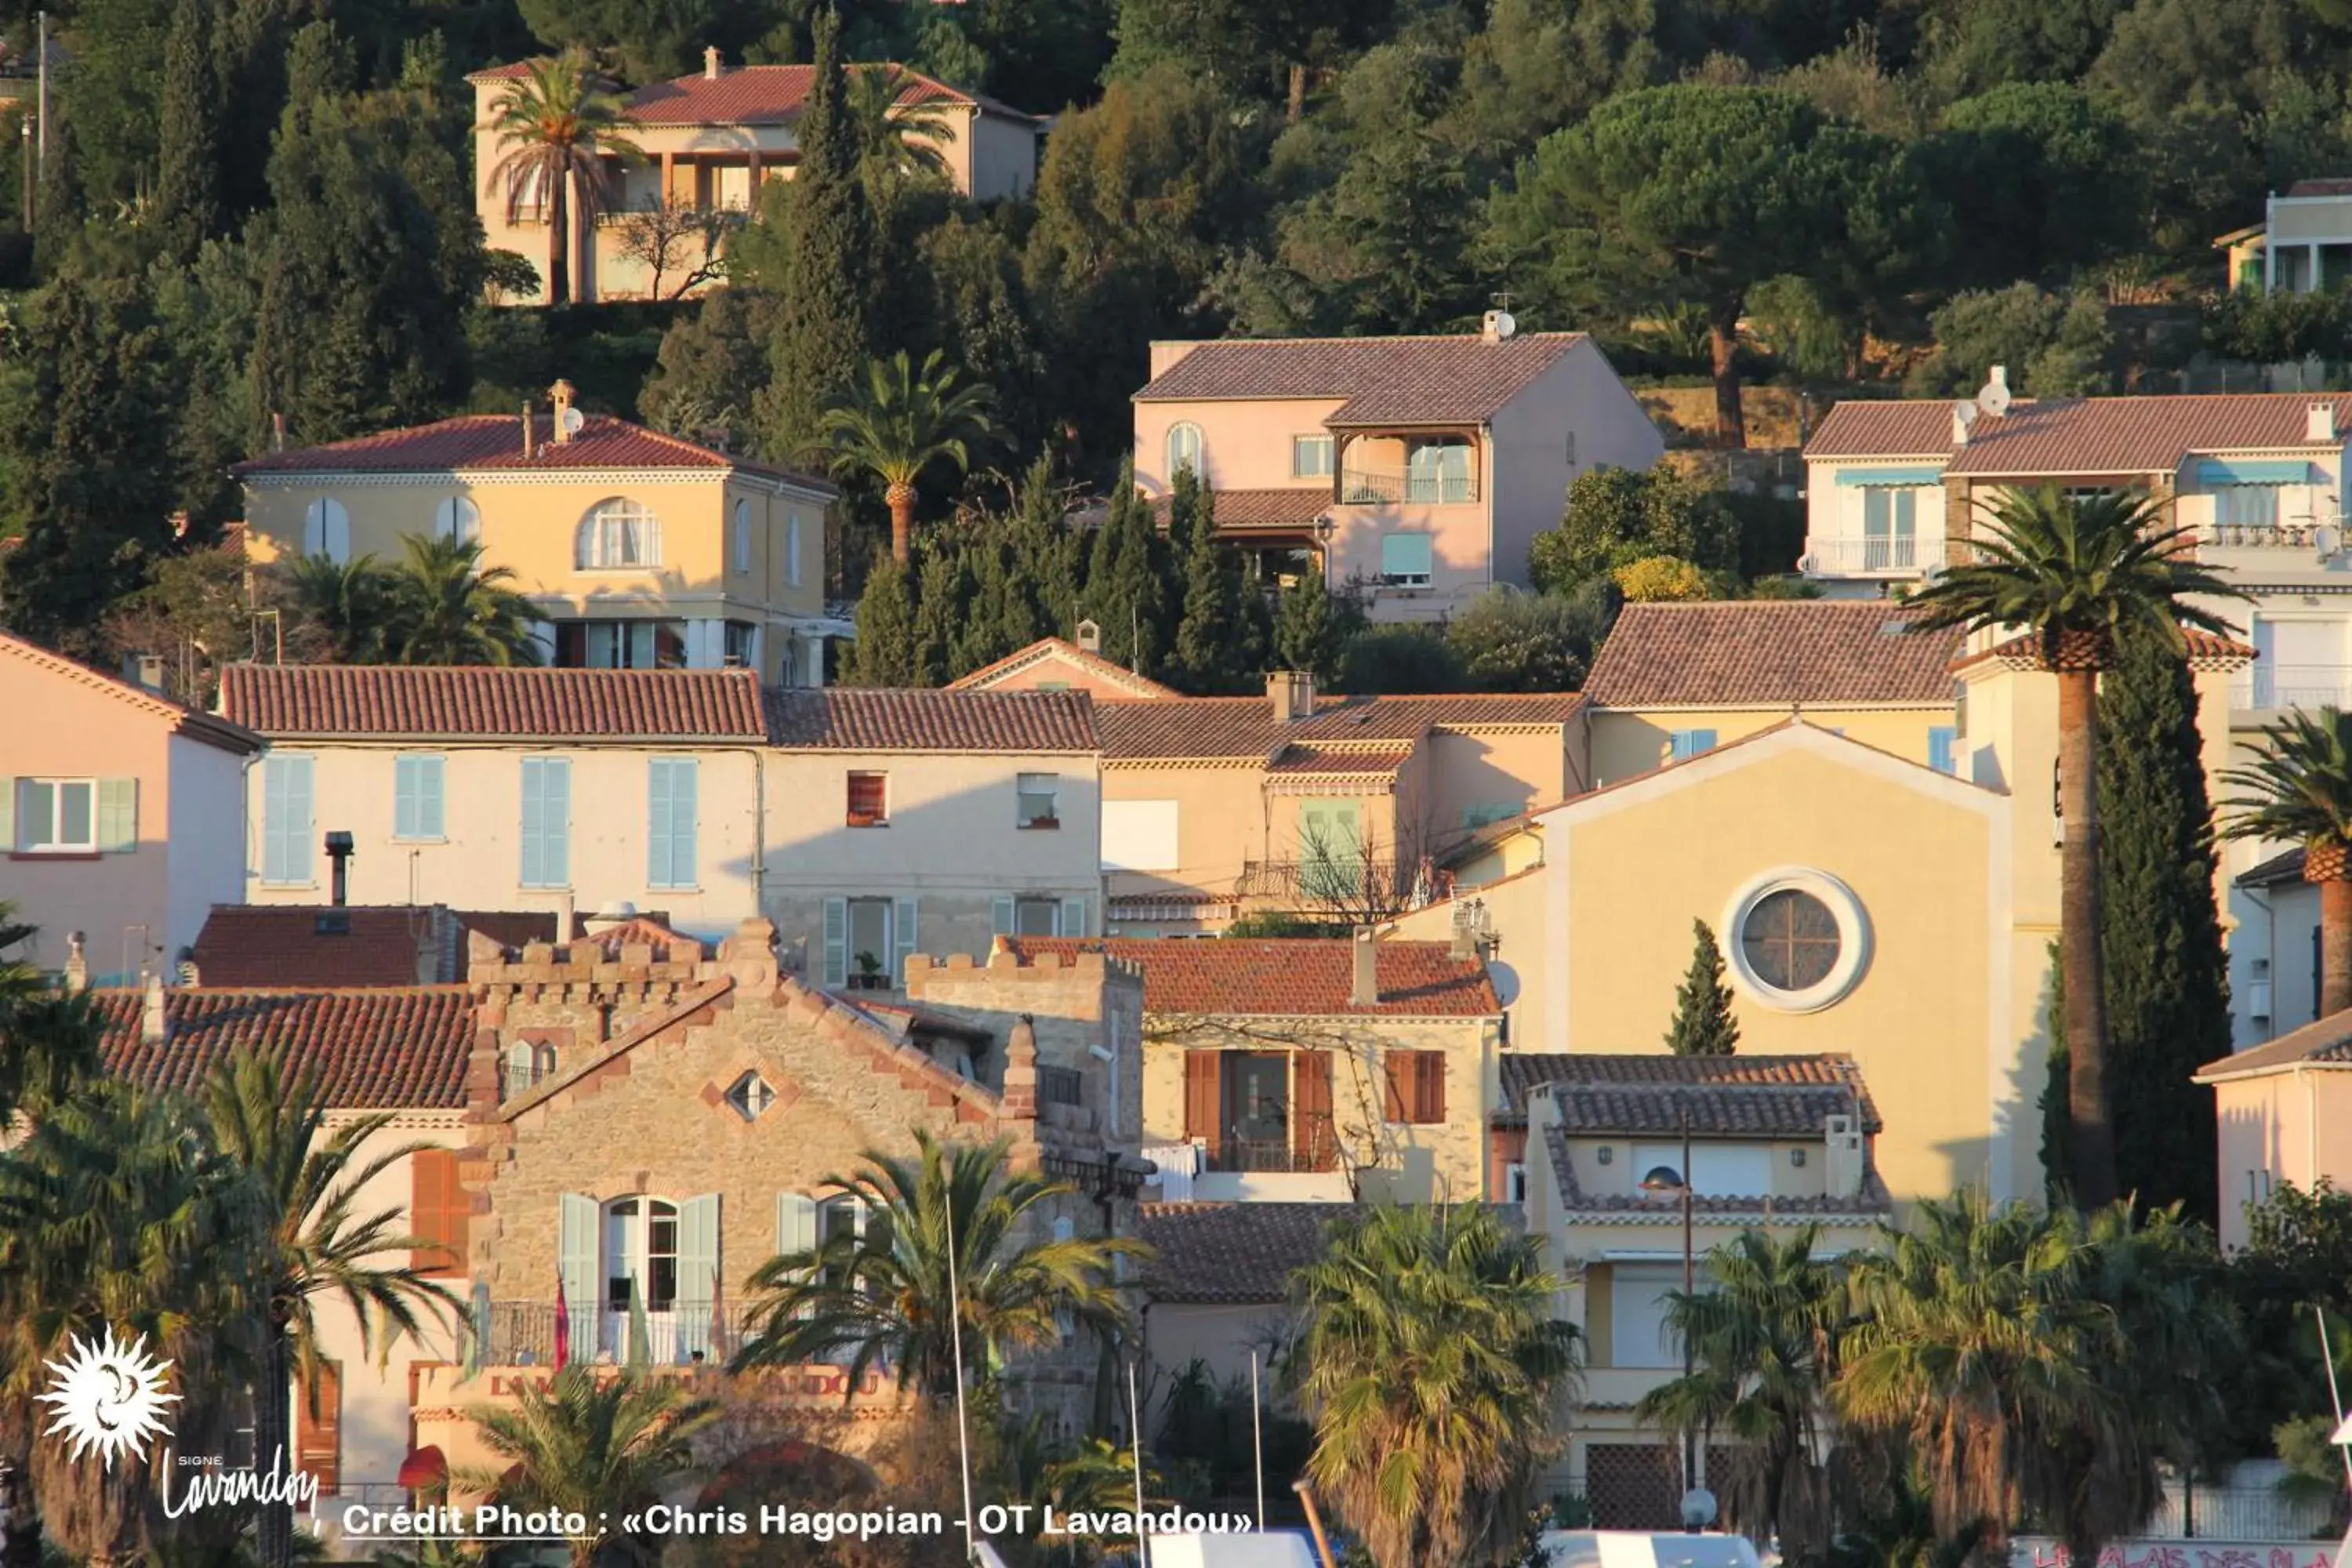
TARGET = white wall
(202,864)
(1531,472)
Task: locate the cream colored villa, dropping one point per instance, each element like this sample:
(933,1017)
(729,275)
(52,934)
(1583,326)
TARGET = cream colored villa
(1417,470)
(639,551)
(711,142)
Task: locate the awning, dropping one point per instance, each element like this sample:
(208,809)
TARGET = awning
(2215,471)
(1890,476)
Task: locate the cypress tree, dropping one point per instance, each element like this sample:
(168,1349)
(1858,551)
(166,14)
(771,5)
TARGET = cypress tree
(1206,639)
(1306,628)
(187,186)
(884,652)
(824,329)
(942,588)
(1125,593)
(2057,1165)
(2168,984)
(1702,1024)
(1046,559)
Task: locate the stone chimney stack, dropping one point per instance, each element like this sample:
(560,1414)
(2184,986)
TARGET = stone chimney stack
(1292,694)
(2319,422)
(151,1015)
(526,428)
(562,393)
(1364,986)
(710,67)
(1020,1099)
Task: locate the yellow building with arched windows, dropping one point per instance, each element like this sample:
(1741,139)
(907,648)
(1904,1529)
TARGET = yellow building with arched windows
(639,551)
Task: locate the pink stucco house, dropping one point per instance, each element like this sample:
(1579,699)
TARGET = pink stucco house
(1419,470)
(121,814)
(2284,1116)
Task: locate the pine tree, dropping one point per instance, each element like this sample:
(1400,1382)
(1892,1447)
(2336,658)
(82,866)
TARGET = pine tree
(883,654)
(1206,638)
(824,333)
(2168,984)
(187,186)
(1702,1024)
(1126,591)
(1306,628)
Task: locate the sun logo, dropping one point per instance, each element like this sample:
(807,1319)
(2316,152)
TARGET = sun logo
(108,1396)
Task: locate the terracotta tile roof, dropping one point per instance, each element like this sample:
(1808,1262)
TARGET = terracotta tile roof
(381,1049)
(482,442)
(1245,726)
(2081,435)
(1873,1202)
(763,94)
(1425,380)
(1726,1096)
(1770,652)
(2325,187)
(1339,760)
(2325,1042)
(623,705)
(2205,650)
(245,946)
(2282,867)
(1287,977)
(1248,510)
(856,719)
(210,729)
(1233,1254)
(1046,650)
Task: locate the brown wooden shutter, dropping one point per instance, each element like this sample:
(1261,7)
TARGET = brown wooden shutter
(440,1213)
(1310,1127)
(1201,1099)
(318,1428)
(1397,1070)
(1430,1102)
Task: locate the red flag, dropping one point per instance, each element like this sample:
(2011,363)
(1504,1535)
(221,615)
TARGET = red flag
(562,1325)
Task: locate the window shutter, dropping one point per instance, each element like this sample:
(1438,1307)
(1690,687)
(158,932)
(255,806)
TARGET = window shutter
(8,814)
(1430,1103)
(1074,917)
(1310,1131)
(697,1270)
(439,1214)
(555,799)
(430,822)
(576,1261)
(405,810)
(793,550)
(902,935)
(318,1428)
(118,815)
(795,1225)
(286,820)
(1201,1085)
(1396,1072)
(1000,917)
(658,817)
(683,812)
(836,941)
(1941,742)
(533,830)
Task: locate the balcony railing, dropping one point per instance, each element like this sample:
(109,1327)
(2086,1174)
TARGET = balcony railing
(1276,1155)
(1390,487)
(2293,686)
(2302,537)
(1847,556)
(522,1333)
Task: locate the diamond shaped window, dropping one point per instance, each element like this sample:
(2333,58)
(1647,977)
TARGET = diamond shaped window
(750,1095)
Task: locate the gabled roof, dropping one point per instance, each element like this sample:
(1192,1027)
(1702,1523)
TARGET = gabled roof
(492,443)
(1239,727)
(1777,653)
(856,719)
(1240,1254)
(2202,650)
(386,1048)
(2286,866)
(1728,1097)
(2089,437)
(1287,977)
(1285,510)
(758,95)
(419,701)
(1060,650)
(2322,1043)
(1459,379)
(210,729)
(306,945)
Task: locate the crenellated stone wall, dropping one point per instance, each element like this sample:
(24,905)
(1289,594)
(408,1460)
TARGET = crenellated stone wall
(1075,1006)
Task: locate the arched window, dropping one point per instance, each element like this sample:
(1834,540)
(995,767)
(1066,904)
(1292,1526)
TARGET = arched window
(743,536)
(327,530)
(459,519)
(618,535)
(1184,449)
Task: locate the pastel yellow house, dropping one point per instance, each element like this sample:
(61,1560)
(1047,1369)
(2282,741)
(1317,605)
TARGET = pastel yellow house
(639,551)
(1418,470)
(711,142)
(2285,1117)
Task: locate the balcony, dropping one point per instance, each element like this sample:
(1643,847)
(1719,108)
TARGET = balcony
(2292,686)
(1400,487)
(1830,555)
(1275,1156)
(522,1333)
(2310,538)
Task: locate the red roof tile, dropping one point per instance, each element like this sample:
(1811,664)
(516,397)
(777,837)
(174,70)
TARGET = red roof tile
(1726,1095)
(1245,726)
(856,719)
(380,1049)
(191,723)
(1770,652)
(323,699)
(1423,380)
(1257,511)
(1341,760)
(2101,437)
(268,944)
(1290,977)
(493,442)
(762,95)
(1233,1254)
(2205,650)
(1046,650)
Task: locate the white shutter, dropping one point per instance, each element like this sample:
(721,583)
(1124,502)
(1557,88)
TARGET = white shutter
(118,815)
(795,1223)
(657,815)
(697,1258)
(1000,917)
(836,943)
(533,828)
(576,1260)
(1074,917)
(902,935)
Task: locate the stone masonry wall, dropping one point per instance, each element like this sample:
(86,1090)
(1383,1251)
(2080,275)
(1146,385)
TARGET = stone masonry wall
(1073,1006)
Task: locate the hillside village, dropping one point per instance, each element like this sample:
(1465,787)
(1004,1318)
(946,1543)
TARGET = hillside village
(736,772)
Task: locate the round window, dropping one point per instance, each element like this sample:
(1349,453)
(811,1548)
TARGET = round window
(1798,940)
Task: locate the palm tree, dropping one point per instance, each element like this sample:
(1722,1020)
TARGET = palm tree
(311,1239)
(344,606)
(558,123)
(905,137)
(883,1297)
(1431,1362)
(2074,573)
(446,608)
(49,1040)
(898,423)
(1763,1352)
(599,1448)
(2299,788)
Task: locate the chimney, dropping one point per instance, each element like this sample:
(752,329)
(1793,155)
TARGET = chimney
(526,428)
(1292,694)
(1089,637)
(565,919)
(710,64)
(339,857)
(1997,378)
(152,1016)
(144,670)
(2319,422)
(276,431)
(1364,984)
(76,961)
(562,394)
(1963,414)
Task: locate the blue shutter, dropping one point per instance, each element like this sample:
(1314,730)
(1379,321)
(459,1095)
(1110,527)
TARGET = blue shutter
(657,813)
(8,814)
(698,1272)
(1686,744)
(546,822)
(416,798)
(286,820)
(533,831)
(576,1262)
(1941,741)
(430,819)
(902,935)
(1406,555)
(684,776)
(670,822)
(1892,477)
(1001,918)
(1074,917)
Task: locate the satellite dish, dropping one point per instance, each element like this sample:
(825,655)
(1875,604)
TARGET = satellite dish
(572,420)
(1964,413)
(1992,397)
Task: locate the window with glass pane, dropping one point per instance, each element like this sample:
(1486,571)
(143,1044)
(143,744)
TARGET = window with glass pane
(57,817)
(1889,518)
(618,534)
(1407,559)
(1789,939)
(1037,800)
(1035,916)
(2246,506)
(1183,448)
(1310,457)
(869,800)
(1439,471)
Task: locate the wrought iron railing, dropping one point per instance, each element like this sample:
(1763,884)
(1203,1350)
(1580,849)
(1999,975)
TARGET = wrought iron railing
(1060,1085)
(2293,686)
(1390,487)
(1277,1155)
(522,1333)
